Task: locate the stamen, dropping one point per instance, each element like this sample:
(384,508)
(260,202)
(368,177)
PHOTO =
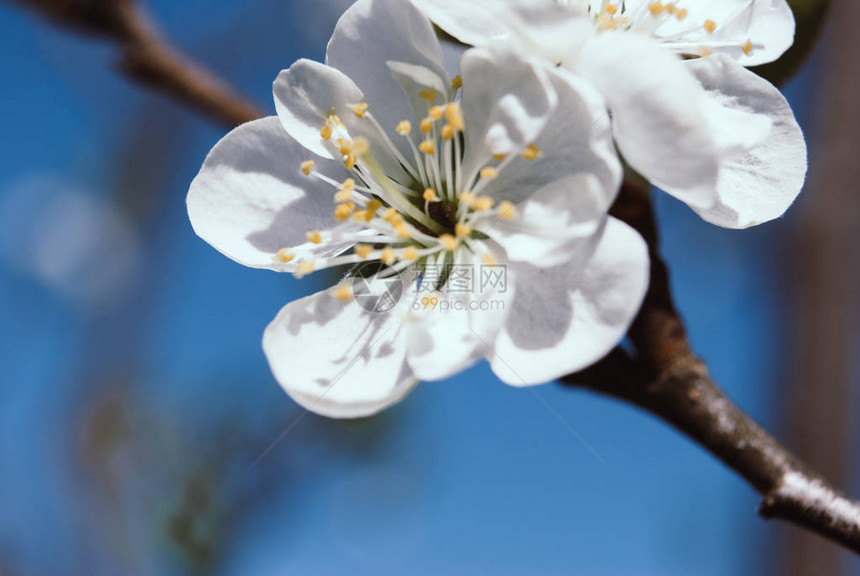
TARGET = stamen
(488,259)
(404,127)
(306,167)
(430,195)
(483,203)
(447,132)
(427,125)
(388,256)
(314,237)
(489,173)
(710,26)
(436,112)
(428,95)
(409,253)
(304,268)
(342,292)
(448,242)
(454,115)
(747,47)
(360,109)
(655,8)
(342,212)
(362,250)
(463,230)
(284,255)
(457,82)
(507,210)
(428,147)
(531,152)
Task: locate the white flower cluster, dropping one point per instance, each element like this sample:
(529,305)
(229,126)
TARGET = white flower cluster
(473,210)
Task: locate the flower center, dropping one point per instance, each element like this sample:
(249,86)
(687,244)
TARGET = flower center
(425,217)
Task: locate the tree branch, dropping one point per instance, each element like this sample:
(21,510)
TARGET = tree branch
(669,381)
(666,378)
(146,58)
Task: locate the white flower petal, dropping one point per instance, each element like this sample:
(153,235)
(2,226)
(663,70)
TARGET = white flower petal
(251,198)
(337,359)
(506,103)
(475,22)
(304,96)
(372,33)
(451,330)
(576,138)
(558,224)
(761,184)
(656,113)
(566,318)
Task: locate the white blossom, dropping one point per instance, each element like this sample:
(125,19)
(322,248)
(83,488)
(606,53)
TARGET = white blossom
(379,156)
(686,114)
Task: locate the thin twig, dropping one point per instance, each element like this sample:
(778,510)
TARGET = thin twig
(668,380)
(146,58)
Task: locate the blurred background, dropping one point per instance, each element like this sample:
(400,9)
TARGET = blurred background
(139,420)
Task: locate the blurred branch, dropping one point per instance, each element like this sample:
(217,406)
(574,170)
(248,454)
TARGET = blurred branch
(146,58)
(669,381)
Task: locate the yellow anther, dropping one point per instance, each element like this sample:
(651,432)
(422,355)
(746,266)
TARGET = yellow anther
(428,147)
(430,195)
(655,8)
(402,231)
(404,127)
(344,147)
(489,173)
(350,161)
(483,203)
(362,250)
(409,253)
(454,115)
(333,119)
(360,216)
(448,242)
(681,13)
(427,125)
(488,259)
(342,196)
(388,256)
(360,110)
(343,211)
(670,8)
(325,133)
(342,292)
(507,210)
(467,199)
(704,51)
(372,208)
(611,9)
(710,25)
(428,95)
(348,184)
(284,255)
(306,167)
(436,112)
(457,82)
(447,132)
(314,236)
(499,157)
(304,268)
(360,146)
(531,152)
(463,230)
(747,47)
(391,216)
